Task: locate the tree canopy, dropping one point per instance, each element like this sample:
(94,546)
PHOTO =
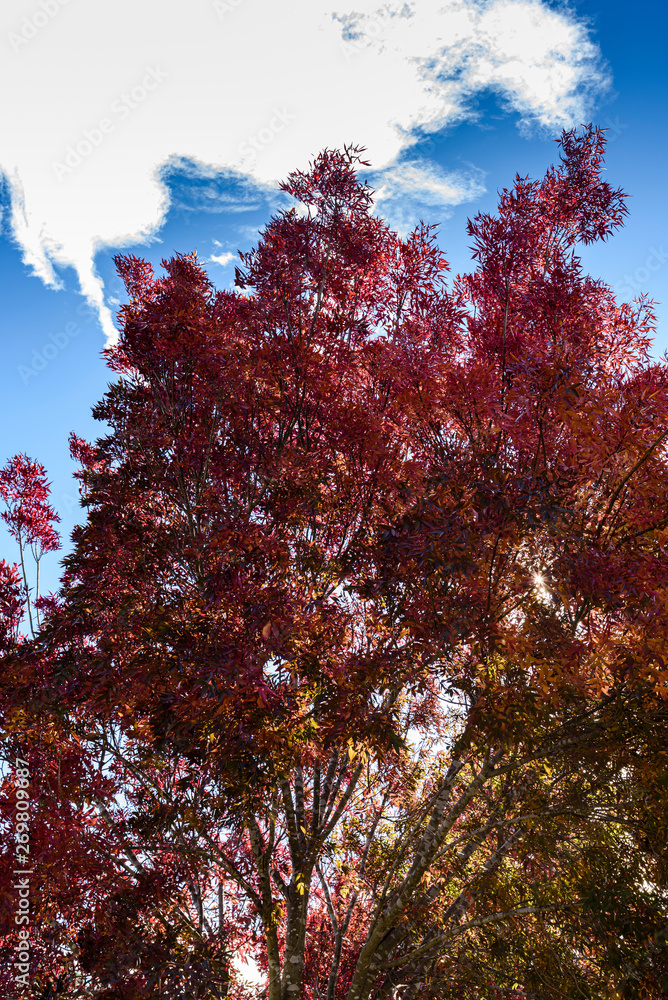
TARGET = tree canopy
(357,667)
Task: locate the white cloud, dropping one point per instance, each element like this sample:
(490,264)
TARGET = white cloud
(407,187)
(105,98)
(223,259)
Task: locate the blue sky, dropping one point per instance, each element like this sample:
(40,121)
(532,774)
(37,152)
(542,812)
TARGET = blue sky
(160,127)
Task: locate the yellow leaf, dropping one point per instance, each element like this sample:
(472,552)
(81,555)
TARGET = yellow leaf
(301,888)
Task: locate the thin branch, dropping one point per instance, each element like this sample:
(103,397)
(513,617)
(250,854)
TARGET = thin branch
(631,472)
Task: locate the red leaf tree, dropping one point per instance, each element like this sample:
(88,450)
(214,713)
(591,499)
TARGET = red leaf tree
(357,664)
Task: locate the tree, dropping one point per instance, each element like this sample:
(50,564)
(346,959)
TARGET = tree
(65,829)
(358,656)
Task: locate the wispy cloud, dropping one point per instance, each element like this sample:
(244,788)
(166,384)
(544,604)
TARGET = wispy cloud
(200,187)
(405,189)
(223,259)
(252,92)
